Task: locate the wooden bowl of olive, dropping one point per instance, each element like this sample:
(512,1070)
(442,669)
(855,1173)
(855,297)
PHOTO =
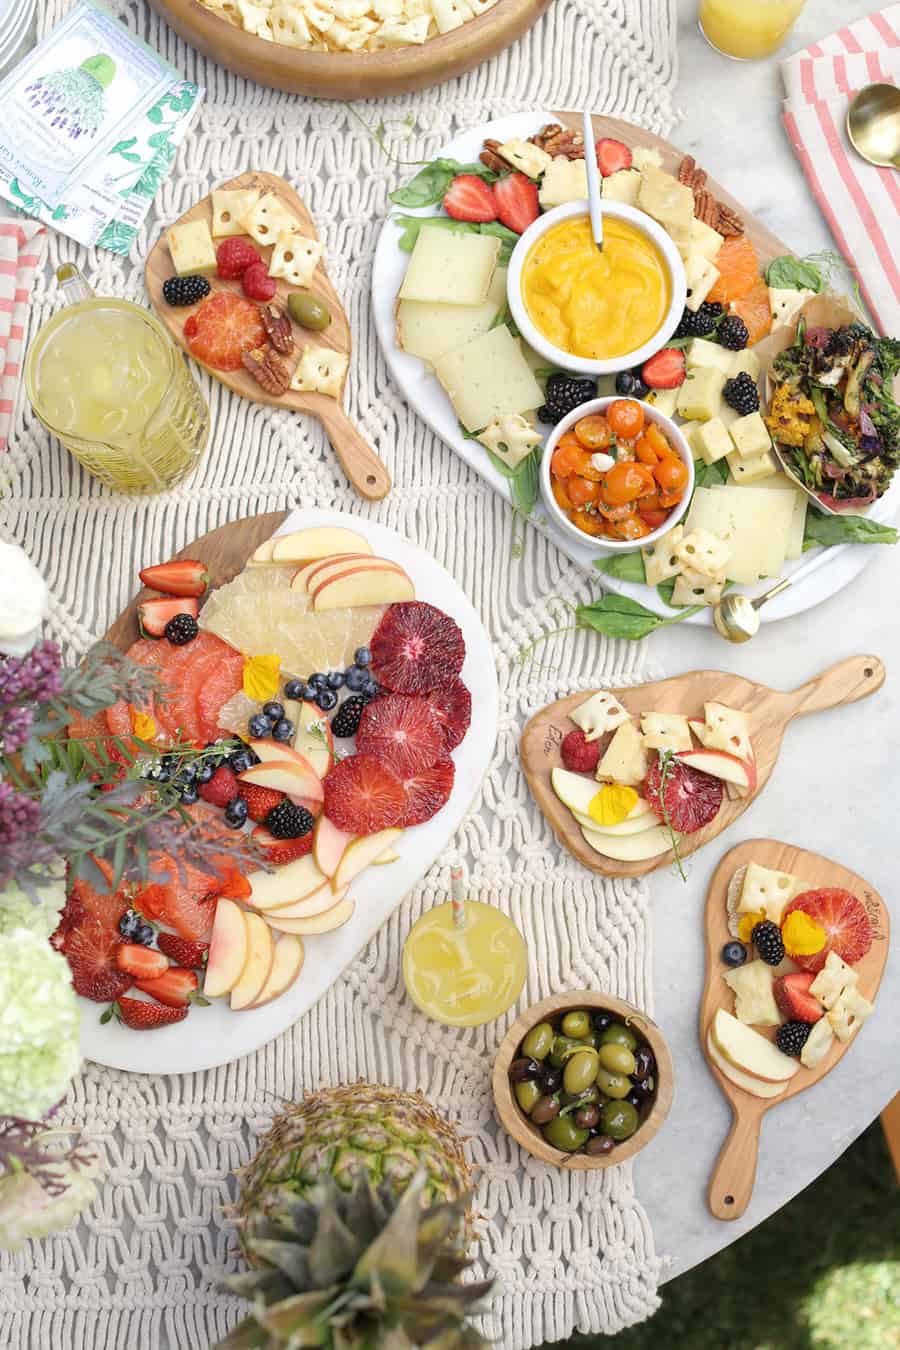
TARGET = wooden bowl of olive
(583,1080)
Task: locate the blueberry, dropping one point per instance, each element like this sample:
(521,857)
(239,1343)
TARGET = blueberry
(166,768)
(624,382)
(318,681)
(363,656)
(309,693)
(326,699)
(356,678)
(242,760)
(734,953)
(294,689)
(129,924)
(273,710)
(283,730)
(370,688)
(335,679)
(144,934)
(259,725)
(207,770)
(235,813)
(189,795)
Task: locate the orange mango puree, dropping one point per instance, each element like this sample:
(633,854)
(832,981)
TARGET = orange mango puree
(592,304)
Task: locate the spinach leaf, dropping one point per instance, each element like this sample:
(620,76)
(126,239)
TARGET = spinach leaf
(505,317)
(523,480)
(710,475)
(431,182)
(794,274)
(617,616)
(468,435)
(508,238)
(625,566)
(411,225)
(829,530)
(665,590)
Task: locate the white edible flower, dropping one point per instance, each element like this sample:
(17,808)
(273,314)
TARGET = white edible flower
(23,601)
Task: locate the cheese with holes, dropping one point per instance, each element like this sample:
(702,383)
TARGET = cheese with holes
(268,218)
(727,729)
(565,180)
(451,269)
(511,438)
(665,731)
(321,370)
(703,354)
(700,397)
(527,158)
(704,239)
(295,258)
(754,999)
(753,521)
(848,1013)
(712,440)
(661,560)
(487,378)
(694,588)
(766,889)
(818,1043)
(625,760)
(701,275)
(704,553)
(786,303)
(602,712)
(429,330)
(834,979)
(750,435)
(229,206)
(621,186)
(192,248)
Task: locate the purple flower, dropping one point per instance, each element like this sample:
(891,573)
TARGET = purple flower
(37,676)
(19,815)
(15,728)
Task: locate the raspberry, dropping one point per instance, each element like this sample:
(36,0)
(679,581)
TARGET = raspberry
(221,787)
(578,753)
(256,282)
(233,257)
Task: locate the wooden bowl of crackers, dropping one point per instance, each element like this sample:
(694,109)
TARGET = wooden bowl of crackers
(306,48)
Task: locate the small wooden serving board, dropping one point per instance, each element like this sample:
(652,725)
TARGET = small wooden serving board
(769,711)
(731,1183)
(357,458)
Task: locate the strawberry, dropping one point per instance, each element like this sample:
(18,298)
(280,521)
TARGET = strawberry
(142,962)
(403,733)
(453,706)
(578,753)
(141,1016)
(470,198)
(280,851)
(222,329)
(90,950)
(221,788)
(665,369)
(153,615)
(233,257)
(191,955)
(612,156)
(794,999)
(362,796)
(427,791)
(517,202)
(174,988)
(181,576)
(691,799)
(417,648)
(260,800)
(847,925)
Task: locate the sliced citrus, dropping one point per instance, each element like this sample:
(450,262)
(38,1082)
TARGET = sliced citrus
(738,268)
(219,688)
(222,329)
(755,310)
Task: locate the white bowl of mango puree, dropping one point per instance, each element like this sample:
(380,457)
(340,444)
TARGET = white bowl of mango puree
(593,311)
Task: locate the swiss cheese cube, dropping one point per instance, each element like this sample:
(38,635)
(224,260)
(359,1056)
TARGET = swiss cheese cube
(511,438)
(625,760)
(661,559)
(321,370)
(527,158)
(703,552)
(694,588)
(295,258)
(663,400)
(621,186)
(700,396)
(487,378)
(766,889)
(192,248)
(451,269)
(751,468)
(268,218)
(848,1013)
(665,731)
(750,435)
(754,998)
(229,206)
(602,712)
(712,440)
(753,521)
(704,239)
(703,353)
(701,275)
(727,729)
(565,180)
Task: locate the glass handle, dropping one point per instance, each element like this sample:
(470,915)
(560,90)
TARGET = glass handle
(73,284)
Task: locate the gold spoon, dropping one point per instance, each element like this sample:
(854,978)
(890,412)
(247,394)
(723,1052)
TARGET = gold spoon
(736,617)
(873,125)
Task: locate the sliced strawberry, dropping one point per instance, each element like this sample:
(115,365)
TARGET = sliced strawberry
(141,1016)
(427,791)
(221,788)
(153,615)
(470,198)
(260,800)
(181,576)
(665,369)
(224,327)
(404,733)
(174,987)
(517,202)
(453,706)
(692,799)
(191,955)
(612,156)
(90,949)
(417,648)
(144,963)
(362,796)
(847,925)
(280,851)
(794,999)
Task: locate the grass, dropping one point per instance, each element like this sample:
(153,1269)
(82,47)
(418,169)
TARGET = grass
(821,1274)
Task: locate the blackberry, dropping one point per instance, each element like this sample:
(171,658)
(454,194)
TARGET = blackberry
(565,392)
(733,333)
(734,953)
(695,323)
(185,290)
(346,720)
(287,821)
(741,394)
(182,629)
(792,1036)
(769,943)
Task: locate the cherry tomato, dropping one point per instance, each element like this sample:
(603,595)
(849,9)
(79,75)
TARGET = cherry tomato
(625,483)
(671,474)
(559,491)
(594,432)
(610,513)
(587,521)
(646,451)
(649,502)
(567,455)
(670,499)
(654,440)
(626,417)
(582,490)
(629,527)
(653,518)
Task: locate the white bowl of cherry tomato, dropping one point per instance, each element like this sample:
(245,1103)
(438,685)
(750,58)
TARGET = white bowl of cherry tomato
(616,473)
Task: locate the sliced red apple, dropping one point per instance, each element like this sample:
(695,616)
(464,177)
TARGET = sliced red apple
(319,923)
(295,776)
(262,554)
(229,949)
(317,903)
(756,1086)
(294,881)
(363,586)
(329,845)
(313,739)
(287,963)
(321,541)
(257,966)
(276,752)
(321,572)
(302,575)
(360,853)
(749,1051)
(722,764)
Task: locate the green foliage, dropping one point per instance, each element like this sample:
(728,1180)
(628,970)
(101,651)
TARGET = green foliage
(829,530)
(432,181)
(788,273)
(710,475)
(618,616)
(625,566)
(523,480)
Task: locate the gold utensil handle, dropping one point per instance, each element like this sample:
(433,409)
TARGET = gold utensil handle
(846,682)
(731,1183)
(357,458)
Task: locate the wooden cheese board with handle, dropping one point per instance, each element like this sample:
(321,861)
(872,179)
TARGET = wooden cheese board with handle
(359,461)
(731,1183)
(769,711)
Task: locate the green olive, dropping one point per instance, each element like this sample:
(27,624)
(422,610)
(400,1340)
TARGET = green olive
(580,1072)
(619,1120)
(539,1041)
(576,1024)
(527,1094)
(612,1084)
(564,1134)
(617,1034)
(617,1058)
(561,1049)
(308,311)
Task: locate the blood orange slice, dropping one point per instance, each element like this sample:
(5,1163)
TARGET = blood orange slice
(362,796)
(738,268)
(221,685)
(453,706)
(416,648)
(427,791)
(688,800)
(222,329)
(404,733)
(847,926)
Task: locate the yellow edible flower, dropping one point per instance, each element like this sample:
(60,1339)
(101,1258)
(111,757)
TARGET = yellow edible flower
(612,804)
(262,676)
(748,922)
(143,725)
(802,936)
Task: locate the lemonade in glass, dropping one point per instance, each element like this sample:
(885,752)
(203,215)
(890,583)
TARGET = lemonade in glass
(747,29)
(464,975)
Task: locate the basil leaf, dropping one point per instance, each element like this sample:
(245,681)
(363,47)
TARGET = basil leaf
(504,317)
(829,530)
(431,182)
(625,566)
(617,616)
(709,475)
(665,590)
(525,482)
(411,225)
(794,274)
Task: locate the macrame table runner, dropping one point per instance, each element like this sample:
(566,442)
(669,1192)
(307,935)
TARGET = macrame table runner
(571,1251)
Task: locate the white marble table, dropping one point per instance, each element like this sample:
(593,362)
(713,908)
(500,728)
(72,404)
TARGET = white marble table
(830,790)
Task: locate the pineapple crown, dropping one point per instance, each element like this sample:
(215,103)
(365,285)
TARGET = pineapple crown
(363,1269)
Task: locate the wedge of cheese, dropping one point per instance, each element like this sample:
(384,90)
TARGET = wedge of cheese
(753,521)
(268,218)
(601,713)
(487,378)
(781,483)
(727,729)
(754,999)
(192,248)
(451,269)
(428,330)
(625,760)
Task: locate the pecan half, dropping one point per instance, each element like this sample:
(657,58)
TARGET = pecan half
(559,141)
(267,369)
(729,222)
(689,174)
(706,208)
(278,328)
(490,159)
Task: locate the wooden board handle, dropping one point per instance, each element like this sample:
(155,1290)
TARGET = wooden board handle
(847,682)
(731,1183)
(357,458)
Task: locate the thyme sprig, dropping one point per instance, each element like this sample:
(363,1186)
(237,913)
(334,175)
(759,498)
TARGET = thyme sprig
(666,760)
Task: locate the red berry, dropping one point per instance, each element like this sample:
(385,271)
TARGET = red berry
(362,796)
(427,791)
(141,1016)
(257,284)
(665,370)
(281,851)
(142,962)
(453,706)
(182,576)
(404,733)
(794,999)
(153,615)
(260,800)
(221,788)
(692,798)
(517,202)
(612,156)
(848,928)
(173,988)
(578,753)
(470,198)
(233,257)
(191,955)
(417,648)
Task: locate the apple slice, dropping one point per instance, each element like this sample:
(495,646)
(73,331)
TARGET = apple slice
(313,739)
(257,966)
(630,825)
(295,776)
(741,1080)
(313,574)
(316,903)
(294,881)
(229,949)
(750,1052)
(320,923)
(388,857)
(262,554)
(322,541)
(577,792)
(363,586)
(360,853)
(329,845)
(276,752)
(287,963)
(300,577)
(648,843)
(722,764)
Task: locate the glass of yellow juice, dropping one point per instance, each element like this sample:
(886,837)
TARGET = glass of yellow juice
(104,376)
(747,29)
(464,974)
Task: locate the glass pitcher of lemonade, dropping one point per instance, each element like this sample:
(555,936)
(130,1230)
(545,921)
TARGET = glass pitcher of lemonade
(105,377)
(746,29)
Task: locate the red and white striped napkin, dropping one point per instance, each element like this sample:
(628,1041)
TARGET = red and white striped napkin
(860,202)
(21,250)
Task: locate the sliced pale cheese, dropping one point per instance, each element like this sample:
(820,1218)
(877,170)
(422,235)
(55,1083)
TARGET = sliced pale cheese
(705,355)
(488,378)
(661,559)
(754,999)
(625,760)
(192,248)
(727,729)
(429,330)
(781,483)
(602,712)
(451,269)
(229,205)
(818,1043)
(527,158)
(786,304)
(268,218)
(754,522)
(665,731)
(700,397)
(622,186)
(740,1079)
(848,1014)
(451,14)
(766,890)
(565,180)
(649,843)
(833,980)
